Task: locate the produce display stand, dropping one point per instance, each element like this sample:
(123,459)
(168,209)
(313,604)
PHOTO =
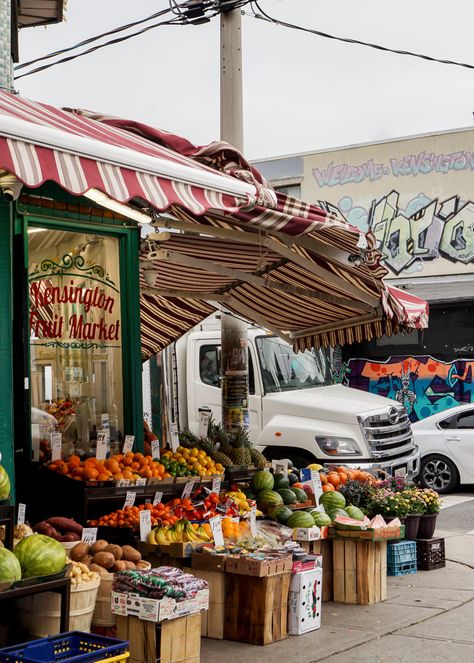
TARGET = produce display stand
(359,571)
(7,519)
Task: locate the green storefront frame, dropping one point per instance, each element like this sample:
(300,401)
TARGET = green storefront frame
(15,218)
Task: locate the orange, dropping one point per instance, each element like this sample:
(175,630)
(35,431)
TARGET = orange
(333,477)
(324,478)
(112,465)
(90,473)
(74,461)
(328,487)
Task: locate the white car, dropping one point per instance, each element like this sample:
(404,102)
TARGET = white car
(446,443)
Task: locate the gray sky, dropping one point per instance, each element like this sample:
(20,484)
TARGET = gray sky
(301,92)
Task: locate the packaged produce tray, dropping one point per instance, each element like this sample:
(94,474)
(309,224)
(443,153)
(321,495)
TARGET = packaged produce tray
(154,610)
(73,647)
(381,534)
(251,566)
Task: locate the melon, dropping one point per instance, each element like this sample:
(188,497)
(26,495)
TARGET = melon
(288,495)
(10,568)
(293,478)
(281,514)
(354,512)
(349,524)
(262,481)
(269,497)
(378,522)
(321,519)
(280,481)
(4,484)
(301,496)
(300,519)
(332,500)
(40,555)
(334,513)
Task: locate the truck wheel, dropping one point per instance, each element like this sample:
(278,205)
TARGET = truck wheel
(298,457)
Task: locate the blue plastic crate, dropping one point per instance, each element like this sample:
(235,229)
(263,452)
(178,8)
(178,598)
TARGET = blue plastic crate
(73,647)
(401,558)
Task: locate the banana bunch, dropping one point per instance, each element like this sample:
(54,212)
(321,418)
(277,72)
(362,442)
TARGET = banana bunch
(181,532)
(242,502)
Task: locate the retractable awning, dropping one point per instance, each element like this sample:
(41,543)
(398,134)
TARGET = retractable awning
(303,273)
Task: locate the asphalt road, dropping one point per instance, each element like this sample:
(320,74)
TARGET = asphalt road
(457,513)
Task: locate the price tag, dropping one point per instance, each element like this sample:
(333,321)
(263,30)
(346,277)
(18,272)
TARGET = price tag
(141,481)
(56,446)
(149,609)
(157,499)
(187,490)
(155,449)
(253,521)
(145,524)
(317,485)
(89,535)
(203,423)
(174,437)
(280,466)
(21,514)
(216,529)
(121,483)
(128,444)
(105,419)
(102,444)
(129,498)
(216,485)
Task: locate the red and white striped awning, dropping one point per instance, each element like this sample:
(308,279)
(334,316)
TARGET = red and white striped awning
(288,265)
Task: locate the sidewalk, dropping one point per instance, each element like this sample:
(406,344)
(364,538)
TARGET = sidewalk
(428,615)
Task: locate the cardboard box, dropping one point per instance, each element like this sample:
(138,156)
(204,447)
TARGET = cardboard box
(208,562)
(252,566)
(153,610)
(312,562)
(178,550)
(306,533)
(382,534)
(305,601)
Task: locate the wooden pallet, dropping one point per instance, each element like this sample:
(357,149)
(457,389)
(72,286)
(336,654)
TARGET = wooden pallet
(173,641)
(256,609)
(359,571)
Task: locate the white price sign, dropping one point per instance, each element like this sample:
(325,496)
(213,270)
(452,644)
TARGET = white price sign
(145,524)
(253,521)
(129,498)
(203,423)
(317,485)
(216,485)
(174,437)
(157,499)
(21,514)
(187,490)
(89,535)
(141,481)
(128,444)
(102,444)
(155,449)
(280,466)
(56,446)
(121,483)
(216,529)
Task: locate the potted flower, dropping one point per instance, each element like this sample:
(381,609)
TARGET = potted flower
(432,502)
(416,508)
(389,504)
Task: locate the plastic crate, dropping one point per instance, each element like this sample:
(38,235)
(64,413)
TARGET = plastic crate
(430,554)
(73,647)
(401,558)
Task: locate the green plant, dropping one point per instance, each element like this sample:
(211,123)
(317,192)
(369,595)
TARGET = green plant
(431,499)
(387,503)
(358,493)
(416,504)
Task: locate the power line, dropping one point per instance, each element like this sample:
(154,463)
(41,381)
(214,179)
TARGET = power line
(270,19)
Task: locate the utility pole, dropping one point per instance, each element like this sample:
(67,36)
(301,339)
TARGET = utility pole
(234,337)
(6,63)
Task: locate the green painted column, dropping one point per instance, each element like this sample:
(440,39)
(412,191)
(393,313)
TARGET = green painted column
(6,338)
(6,64)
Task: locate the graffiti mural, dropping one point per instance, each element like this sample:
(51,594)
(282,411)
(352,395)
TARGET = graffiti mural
(424,385)
(425,230)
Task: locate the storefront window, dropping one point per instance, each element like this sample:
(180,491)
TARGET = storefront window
(75,341)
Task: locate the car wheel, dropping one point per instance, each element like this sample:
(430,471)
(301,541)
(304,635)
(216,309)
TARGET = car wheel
(439,473)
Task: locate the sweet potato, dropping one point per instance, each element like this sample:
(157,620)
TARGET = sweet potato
(130,554)
(70,536)
(105,559)
(47,529)
(79,551)
(65,525)
(99,546)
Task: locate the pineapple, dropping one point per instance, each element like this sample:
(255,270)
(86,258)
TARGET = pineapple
(258,458)
(237,440)
(219,457)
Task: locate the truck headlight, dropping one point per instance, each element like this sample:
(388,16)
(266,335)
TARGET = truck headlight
(338,446)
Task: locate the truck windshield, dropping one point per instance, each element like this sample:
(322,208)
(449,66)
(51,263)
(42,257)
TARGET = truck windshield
(284,370)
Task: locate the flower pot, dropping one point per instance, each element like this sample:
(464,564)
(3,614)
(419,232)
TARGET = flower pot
(411,526)
(427,526)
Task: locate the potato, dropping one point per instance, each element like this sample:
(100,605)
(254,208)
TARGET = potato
(98,546)
(98,569)
(143,566)
(87,559)
(104,559)
(119,566)
(130,566)
(79,551)
(130,554)
(116,551)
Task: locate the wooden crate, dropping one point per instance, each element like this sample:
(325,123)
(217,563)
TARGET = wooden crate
(172,641)
(212,620)
(359,571)
(324,548)
(256,609)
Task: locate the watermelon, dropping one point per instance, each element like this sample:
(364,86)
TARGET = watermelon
(262,481)
(332,500)
(354,512)
(300,519)
(280,481)
(301,496)
(288,495)
(344,523)
(378,522)
(321,519)
(248,492)
(281,514)
(269,497)
(4,484)
(334,513)
(10,568)
(40,555)
(293,478)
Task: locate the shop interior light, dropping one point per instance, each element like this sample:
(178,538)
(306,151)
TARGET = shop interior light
(125,210)
(36,230)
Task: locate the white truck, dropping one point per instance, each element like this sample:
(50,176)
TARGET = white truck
(296,410)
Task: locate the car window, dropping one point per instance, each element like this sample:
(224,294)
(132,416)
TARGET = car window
(210,367)
(466,420)
(446,423)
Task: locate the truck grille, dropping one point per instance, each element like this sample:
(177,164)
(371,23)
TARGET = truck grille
(388,433)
